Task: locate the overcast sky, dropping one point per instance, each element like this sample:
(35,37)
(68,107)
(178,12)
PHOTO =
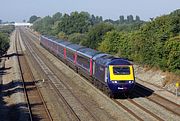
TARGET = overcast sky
(18,10)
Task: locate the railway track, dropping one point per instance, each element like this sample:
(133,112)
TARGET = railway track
(76,109)
(54,83)
(132,102)
(165,103)
(141,91)
(35,103)
(131,106)
(135,109)
(140,109)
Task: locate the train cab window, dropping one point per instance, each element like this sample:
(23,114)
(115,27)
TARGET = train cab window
(121,70)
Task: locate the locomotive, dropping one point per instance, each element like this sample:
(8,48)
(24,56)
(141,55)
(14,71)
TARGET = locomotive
(111,74)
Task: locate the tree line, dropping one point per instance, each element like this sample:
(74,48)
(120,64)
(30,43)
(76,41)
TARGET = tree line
(81,27)
(4,38)
(155,43)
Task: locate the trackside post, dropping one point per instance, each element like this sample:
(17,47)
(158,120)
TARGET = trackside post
(177,87)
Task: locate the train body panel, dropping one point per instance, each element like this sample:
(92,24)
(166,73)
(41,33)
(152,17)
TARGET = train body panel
(84,60)
(101,66)
(71,52)
(62,49)
(100,72)
(71,55)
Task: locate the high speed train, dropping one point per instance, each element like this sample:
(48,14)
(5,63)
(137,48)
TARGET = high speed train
(111,74)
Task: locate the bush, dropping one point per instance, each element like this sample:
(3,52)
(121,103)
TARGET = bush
(4,43)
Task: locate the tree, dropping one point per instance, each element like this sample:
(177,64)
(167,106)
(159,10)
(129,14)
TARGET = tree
(57,17)
(0,21)
(137,19)
(33,18)
(175,29)
(44,25)
(62,35)
(7,29)
(130,19)
(110,42)
(4,43)
(96,34)
(121,19)
(99,19)
(55,28)
(93,19)
(78,38)
(172,54)
(75,23)
(110,21)
(175,13)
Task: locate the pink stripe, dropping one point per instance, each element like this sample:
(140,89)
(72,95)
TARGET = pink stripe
(64,53)
(90,67)
(75,58)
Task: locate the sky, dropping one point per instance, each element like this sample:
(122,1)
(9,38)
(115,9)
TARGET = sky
(19,10)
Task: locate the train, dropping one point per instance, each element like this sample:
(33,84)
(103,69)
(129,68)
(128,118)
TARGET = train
(111,74)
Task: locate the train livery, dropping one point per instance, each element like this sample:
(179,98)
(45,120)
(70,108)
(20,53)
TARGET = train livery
(112,74)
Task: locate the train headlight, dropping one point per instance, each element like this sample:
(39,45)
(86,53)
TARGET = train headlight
(114,82)
(130,82)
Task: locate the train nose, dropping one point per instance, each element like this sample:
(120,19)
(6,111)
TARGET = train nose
(121,86)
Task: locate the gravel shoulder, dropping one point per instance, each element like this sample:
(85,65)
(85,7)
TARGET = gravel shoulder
(155,80)
(12,102)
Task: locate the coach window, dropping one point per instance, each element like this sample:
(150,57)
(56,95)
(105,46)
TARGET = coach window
(70,55)
(84,62)
(60,49)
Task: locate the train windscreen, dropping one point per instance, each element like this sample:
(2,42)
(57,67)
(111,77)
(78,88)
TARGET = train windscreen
(120,70)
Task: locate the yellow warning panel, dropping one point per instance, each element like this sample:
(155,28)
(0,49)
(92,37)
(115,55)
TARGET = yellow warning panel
(121,77)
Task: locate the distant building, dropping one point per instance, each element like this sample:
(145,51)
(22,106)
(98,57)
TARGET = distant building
(23,24)
(17,24)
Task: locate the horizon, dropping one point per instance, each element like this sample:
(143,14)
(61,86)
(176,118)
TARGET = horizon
(125,16)
(21,10)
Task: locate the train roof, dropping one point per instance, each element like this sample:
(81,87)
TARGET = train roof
(88,52)
(64,43)
(74,47)
(109,59)
(52,38)
(99,56)
(105,59)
